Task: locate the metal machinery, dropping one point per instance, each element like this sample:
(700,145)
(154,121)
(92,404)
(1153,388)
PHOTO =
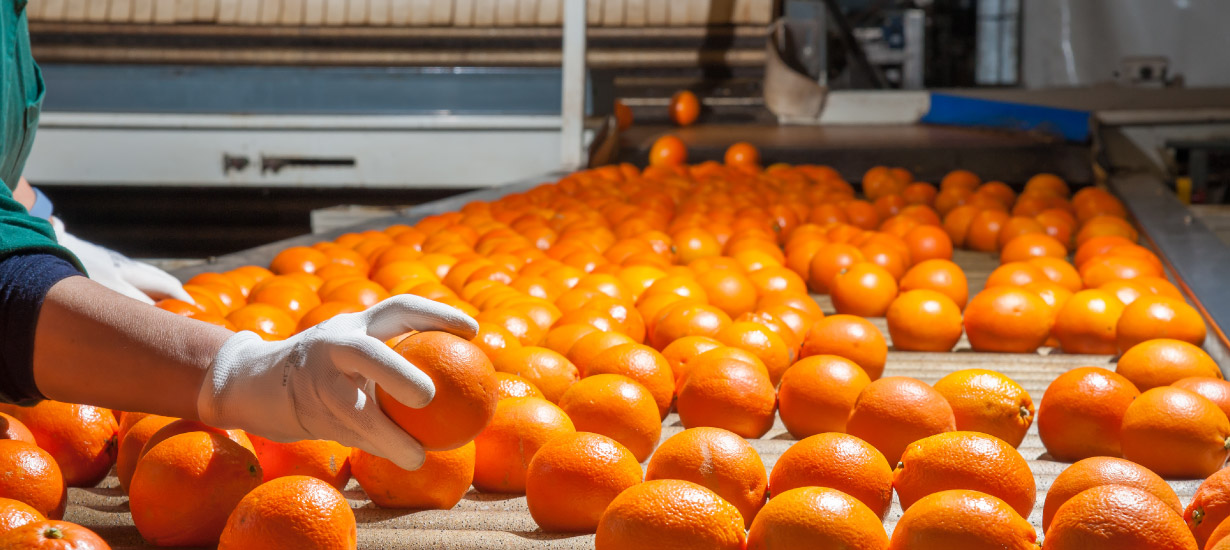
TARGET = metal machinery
(1125,139)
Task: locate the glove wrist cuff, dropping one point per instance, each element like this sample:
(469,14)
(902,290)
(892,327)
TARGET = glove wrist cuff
(242,380)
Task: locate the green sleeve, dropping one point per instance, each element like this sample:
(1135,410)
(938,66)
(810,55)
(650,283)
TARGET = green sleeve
(22,233)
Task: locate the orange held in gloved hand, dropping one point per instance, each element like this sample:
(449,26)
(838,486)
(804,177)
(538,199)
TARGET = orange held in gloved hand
(314,385)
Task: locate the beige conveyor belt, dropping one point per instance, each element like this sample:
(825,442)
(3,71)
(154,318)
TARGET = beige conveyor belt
(502,522)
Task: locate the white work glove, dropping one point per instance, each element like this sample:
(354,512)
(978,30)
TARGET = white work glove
(318,384)
(137,280)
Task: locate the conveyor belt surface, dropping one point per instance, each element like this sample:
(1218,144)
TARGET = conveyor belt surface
(503,522)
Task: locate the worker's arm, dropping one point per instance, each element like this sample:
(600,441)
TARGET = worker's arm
(95,346)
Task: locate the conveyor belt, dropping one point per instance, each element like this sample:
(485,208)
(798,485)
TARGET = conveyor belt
(502,522)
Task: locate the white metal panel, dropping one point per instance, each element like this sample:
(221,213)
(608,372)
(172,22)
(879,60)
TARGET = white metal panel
(389,151)
(572,152)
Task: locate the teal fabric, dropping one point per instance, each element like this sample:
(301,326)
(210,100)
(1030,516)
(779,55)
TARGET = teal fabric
(21,98)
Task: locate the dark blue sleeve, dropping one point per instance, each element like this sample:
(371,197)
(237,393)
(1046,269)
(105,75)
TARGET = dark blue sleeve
(25,280)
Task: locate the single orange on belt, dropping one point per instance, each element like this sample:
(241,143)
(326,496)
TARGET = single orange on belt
(1081,413)
(962,520)
(1117,517)
(718,460)
(503,450)
(1104,470)
(670,513)
(1150,317)
(1163,361)
(851,337)
(802,517)
(838,461)
(988,402)
(684,107)
(965,460)
(893,412)
(924,320)
(573,478)
(291,512)
(1007,319)
(439,484)
(1176,433)
(32,477)
(618,407)
(817,393)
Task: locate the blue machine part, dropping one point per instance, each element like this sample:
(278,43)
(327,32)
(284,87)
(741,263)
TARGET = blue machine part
(956,110)
(304,90)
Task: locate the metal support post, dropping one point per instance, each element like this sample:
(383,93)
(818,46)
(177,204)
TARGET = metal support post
(572,110)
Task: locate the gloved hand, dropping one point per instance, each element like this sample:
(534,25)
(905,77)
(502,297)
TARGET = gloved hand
(318,384)
(113,270)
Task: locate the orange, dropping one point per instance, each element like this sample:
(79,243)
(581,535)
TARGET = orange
(1018,226)
(465,397)
(179,307)
(984,228)
(1047,183)
(1015,274)
(989,402)
(1176,433)
(924,320)
(942,276)
(1127,291)
(1150,317)
(919,193)
(547,370)
(641,363)
(1104,269)
(887,253)
(32,477)
(680,353)
(617,407)
(590,346)
(668,150)
(1058,271)
(837,461)
(1099,226)
(1212,388)
(718,460)
(729,290)
(962,520)
(1217,541)
(360,291)
(687,319)
(15,513)
(291,512)
(623,115)
(326,311)
(804,517)
(1116,517)
(328,461)
(268,322)
(1007,319)
(53,535)
(1101,470)
(742,154)
(132,443)
(817,394)
(1033,245)
(728,394)
(829,261)
(503,450)
(1086,322)
(670,513)
(762,342)
(864,289)
(928,242)
(893,412)
(1163,361)
(1081,413)
(1209,508)
(965,460)
(439,484)
(185,487)
(181,426)
(561,338)
(1098,246)
(851,337)
(295,300)
(511,385)
(957,219)
(493,339)
(83,439)
(684,107)
(299,259)
(716,355)
(960,178)
(11,428)
(574,477)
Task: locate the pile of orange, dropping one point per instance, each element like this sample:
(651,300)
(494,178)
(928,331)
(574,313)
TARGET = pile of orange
(616,295)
